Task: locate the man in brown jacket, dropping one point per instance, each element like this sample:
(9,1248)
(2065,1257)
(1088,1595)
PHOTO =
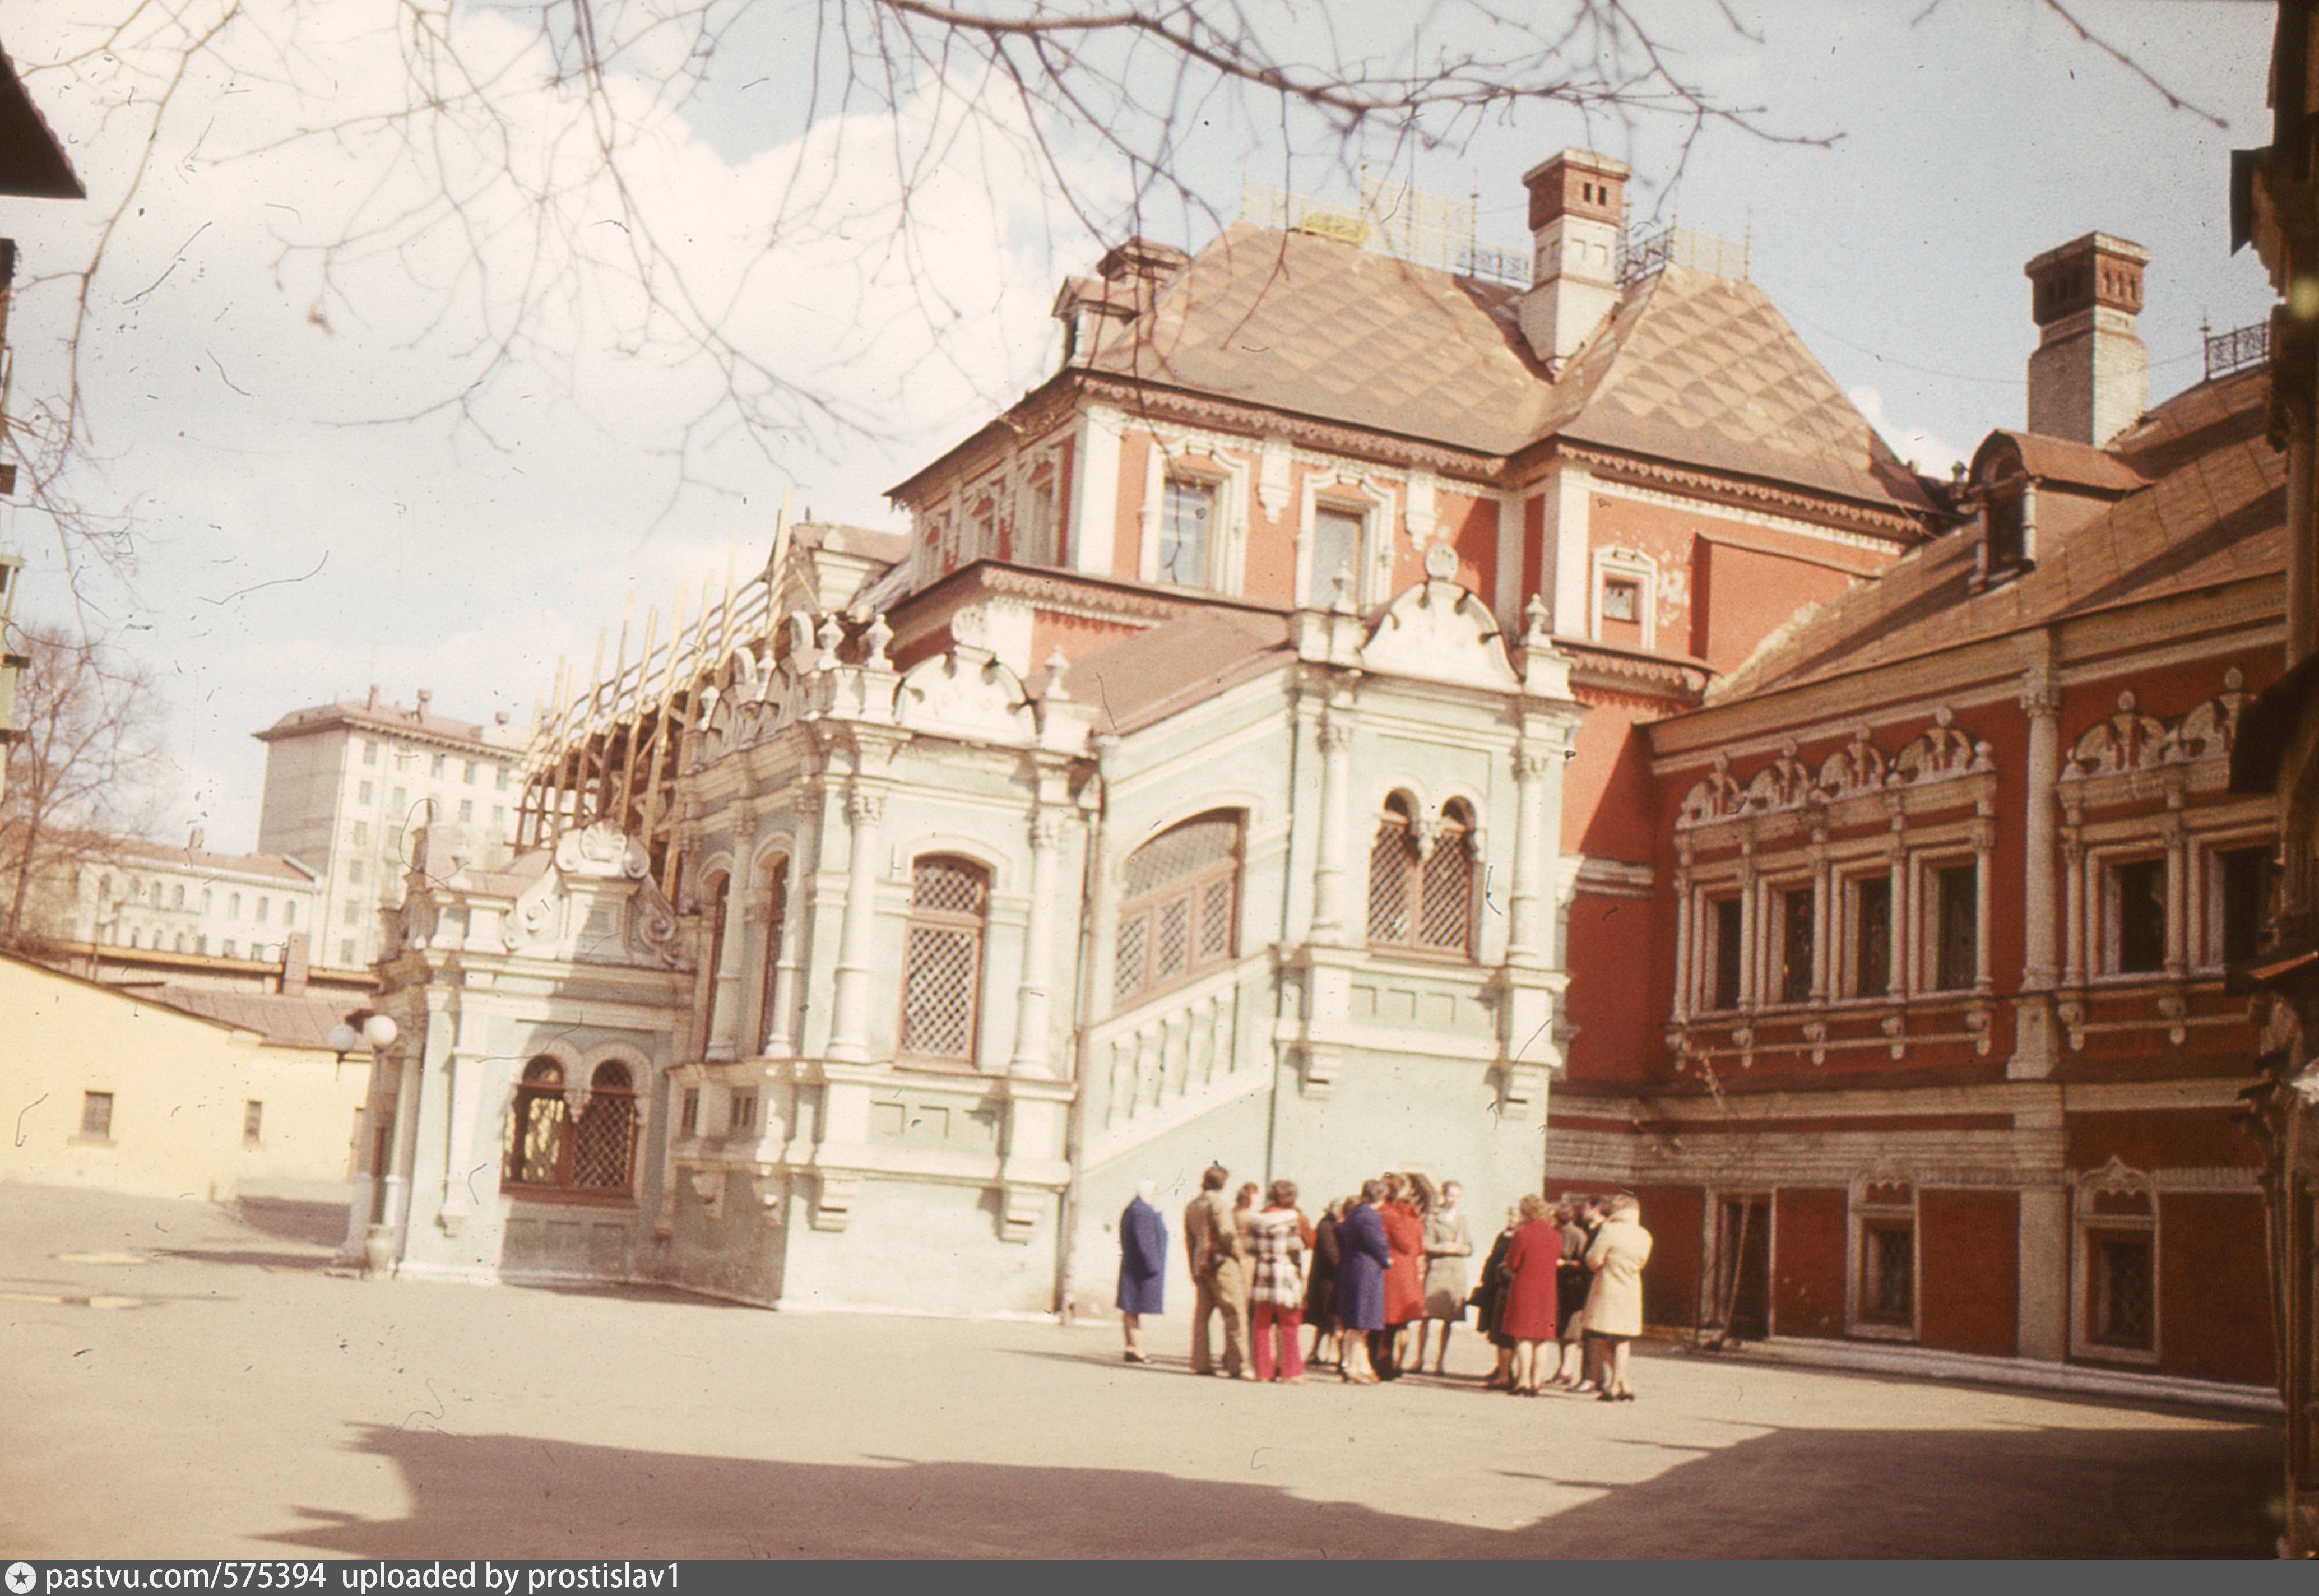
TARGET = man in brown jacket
(1217,1255)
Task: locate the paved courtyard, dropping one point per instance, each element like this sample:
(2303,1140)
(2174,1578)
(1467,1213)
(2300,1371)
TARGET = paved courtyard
(180,1380)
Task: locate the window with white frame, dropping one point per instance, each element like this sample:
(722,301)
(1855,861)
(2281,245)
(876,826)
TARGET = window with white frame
(943,958)
(1723,924)
(1034,524)
(1180,900)
(742,1112)
(2134,910)
(1187,523)
(1338,534)
(1952,925)
(2239,881)
(1868,965)
(557,1147)
(1792,945)
(1624,581)
(1884,1251)
(2114,1267)
(1421,898)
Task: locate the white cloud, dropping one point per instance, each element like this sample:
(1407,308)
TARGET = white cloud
(1914,445)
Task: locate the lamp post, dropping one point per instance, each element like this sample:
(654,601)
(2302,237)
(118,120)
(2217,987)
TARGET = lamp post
(374,1240)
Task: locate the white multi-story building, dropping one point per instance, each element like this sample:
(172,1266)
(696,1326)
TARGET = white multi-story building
(136,894)
(346,781)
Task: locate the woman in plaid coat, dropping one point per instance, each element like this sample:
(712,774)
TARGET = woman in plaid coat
(1275,1240)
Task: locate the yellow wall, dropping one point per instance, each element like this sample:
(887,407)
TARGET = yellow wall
(178,1085)
(307,1130)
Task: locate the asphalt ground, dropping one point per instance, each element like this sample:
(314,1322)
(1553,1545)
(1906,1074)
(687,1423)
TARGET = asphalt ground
(179,1380)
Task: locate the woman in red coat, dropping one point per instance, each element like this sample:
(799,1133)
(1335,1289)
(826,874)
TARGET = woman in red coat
(1405,1281)
(1527,1315)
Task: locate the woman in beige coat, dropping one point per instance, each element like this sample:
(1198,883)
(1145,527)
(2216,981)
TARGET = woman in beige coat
(1614,1306)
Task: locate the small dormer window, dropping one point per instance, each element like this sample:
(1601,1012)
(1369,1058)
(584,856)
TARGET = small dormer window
(2004,543)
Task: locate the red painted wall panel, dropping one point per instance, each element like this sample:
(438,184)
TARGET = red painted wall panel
(1747,595)
(1674,1215)
(1808,1261)
(1610,943)
(1968,1249)
(2214,1293)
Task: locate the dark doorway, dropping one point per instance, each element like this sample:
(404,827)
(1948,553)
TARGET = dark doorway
(1742,1303)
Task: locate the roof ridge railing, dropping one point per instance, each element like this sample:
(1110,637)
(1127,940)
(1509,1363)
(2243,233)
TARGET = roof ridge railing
(1649,253)
(1391,219)
(2237,349)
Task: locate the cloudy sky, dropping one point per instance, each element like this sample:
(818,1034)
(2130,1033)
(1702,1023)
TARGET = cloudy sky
(450,450)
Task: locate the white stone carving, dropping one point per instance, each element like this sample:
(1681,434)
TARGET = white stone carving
(1438,632)
(967,695)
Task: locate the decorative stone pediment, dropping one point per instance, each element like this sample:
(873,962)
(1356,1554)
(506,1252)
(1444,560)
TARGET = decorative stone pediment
(2129,741)
(1437,631)
(966,694)
(603,853)
(1942,754)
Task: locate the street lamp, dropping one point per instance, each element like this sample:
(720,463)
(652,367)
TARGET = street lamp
(377,1030)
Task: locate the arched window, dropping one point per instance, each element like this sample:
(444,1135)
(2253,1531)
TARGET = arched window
(1422,897)
(550,1148)
(777,914)
(233,906)
(714,890)
(943,956)
(1181,911)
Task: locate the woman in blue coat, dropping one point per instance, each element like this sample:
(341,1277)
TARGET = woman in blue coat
(1363,1254)
(1142,1267)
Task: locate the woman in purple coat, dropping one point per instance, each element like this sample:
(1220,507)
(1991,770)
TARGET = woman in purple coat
(1142,1267)
(1363,1254)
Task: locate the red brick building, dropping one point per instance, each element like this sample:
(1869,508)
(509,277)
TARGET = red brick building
(1946,878)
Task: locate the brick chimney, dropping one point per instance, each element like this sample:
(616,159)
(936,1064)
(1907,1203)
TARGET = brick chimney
(296,961)
(2089,375)
(1575,203)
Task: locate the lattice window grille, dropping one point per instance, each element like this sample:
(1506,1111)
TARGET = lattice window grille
(946,887)
(1216,920)
(1446,892)
(1177,920)
(938,1011)
(1131,973)
(1393,859)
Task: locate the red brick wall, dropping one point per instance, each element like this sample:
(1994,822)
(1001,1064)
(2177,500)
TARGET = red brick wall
(1739,596)
(2161,1138)
(1612,999)
(1675,1216)
(1808,1261)
(2214,1289)
(1967,1246)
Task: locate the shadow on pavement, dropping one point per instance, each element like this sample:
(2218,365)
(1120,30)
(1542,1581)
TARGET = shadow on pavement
(1792,1492)
(286,1219)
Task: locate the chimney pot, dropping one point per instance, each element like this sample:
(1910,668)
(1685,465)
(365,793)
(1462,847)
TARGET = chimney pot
(2089,374)
(1577,201)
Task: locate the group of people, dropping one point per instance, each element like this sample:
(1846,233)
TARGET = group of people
(1383,1272)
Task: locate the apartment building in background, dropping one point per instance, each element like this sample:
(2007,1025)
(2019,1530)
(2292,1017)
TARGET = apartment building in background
(347,781)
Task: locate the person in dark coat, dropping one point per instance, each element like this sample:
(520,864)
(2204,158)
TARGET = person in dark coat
(1362,1255)
(1142,1267)
(1489,1300)
(1320,1284)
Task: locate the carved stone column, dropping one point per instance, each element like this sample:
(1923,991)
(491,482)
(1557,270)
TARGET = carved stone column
(1524,905)
(742,905)
(1031,1009)
(1984,887)
(1896,937)
(2042,702)
(2073,892)
(1336,737)
(2178,882)
(777,1032)
(1823,960)
(1682,939)
(850,1033)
